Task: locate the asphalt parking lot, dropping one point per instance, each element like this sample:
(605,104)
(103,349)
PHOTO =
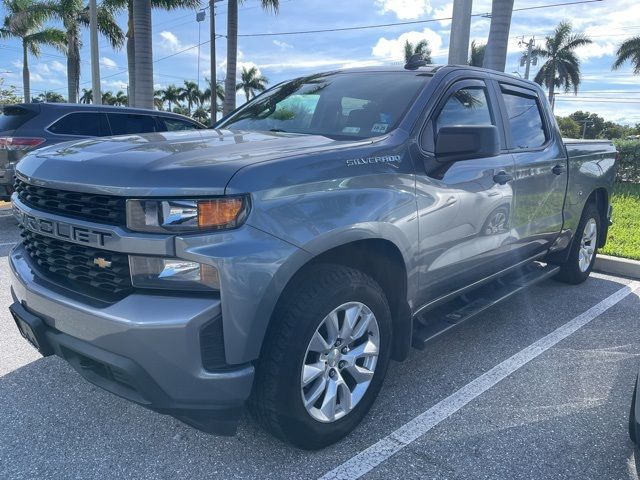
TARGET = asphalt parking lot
(561,414)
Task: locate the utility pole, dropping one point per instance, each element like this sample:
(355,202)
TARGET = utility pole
(95,57)
(528,60)
(585,123)
(459,37)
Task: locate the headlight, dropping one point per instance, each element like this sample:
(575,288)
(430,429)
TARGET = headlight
(186,215)
(172,273)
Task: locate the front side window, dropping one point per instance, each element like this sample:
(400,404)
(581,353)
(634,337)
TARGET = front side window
(336,105)
(129,123)
(89,124)
(468,106)
(525,120)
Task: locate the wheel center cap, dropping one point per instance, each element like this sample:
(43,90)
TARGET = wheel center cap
(333,357)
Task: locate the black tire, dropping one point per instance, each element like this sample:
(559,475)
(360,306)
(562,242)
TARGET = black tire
(276,399)
(570,271)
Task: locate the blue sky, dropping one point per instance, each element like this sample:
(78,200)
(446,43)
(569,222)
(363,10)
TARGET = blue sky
(614,95)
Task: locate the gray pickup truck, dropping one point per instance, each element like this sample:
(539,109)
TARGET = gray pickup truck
(281,260)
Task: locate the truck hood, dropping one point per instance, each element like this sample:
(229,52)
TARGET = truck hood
(198,162)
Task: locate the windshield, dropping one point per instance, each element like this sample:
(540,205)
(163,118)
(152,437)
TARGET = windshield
(336,105)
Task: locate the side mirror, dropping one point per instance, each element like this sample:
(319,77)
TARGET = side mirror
(466,142)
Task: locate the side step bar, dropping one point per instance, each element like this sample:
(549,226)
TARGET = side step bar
(432,323)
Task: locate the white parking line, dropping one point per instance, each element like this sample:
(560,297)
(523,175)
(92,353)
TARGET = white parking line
(380,451)
(7,244)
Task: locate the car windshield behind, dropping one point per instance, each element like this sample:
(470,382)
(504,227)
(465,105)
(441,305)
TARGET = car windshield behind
(336,105)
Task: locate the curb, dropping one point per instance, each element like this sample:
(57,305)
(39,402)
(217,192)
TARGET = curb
(621,267)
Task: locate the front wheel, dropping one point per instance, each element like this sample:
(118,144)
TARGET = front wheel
(584,248)
(325,357)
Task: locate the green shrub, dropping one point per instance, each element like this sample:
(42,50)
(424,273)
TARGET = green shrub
(628,161)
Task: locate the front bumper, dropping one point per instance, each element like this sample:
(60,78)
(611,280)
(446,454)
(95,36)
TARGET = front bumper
(145,347)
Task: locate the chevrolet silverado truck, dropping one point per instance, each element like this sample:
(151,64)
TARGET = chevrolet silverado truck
(282,259)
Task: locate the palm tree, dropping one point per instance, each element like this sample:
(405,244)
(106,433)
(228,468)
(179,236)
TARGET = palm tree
(108,98)
(495,56)
(629,50)
(23,20)
(206,94)
(158,101)
(143,58)
(120,99)
(75,15)
(201,114)
(131,49)
(190,93)
(477,54)
(171,95)
(232,48)
(421,48)
(562,69)
(251,82)
(87,96)
(49,96)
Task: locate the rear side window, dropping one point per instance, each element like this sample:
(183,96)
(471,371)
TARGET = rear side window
(177,125)
(84,124)
(128,123)
(468,106)
(525,120)
(12,117)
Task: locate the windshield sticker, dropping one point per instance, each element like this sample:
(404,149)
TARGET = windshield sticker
(351,130)
(379,127)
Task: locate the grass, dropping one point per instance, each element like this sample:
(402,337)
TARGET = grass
(624,234)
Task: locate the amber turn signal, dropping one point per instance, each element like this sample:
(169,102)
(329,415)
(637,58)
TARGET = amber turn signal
(219,212)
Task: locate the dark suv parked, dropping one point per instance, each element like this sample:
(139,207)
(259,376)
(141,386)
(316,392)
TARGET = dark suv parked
(27,126)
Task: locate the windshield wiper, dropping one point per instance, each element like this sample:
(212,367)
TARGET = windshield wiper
(278,130)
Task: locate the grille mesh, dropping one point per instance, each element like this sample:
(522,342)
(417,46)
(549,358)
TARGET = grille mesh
(86,206)
(67,262)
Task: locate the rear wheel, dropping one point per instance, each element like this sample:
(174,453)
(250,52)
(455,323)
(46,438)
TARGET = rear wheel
(584,248)
(324,358)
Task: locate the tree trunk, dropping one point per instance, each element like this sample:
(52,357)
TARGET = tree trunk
(495,56)
(232,57)
(73,67)
(551,96)
(143,93)
(26,80)
(131,55)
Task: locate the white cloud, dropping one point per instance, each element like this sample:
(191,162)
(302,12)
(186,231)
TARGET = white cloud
(446,11)
(56,66)
(282,45)
(405,9)
(113,85)
(169,42)
(106,62)
(393,49)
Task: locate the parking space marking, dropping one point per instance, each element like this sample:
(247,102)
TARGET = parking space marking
(368,459)
(7,244)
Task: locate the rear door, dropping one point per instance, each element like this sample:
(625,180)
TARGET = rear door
(540,170)
(464,207)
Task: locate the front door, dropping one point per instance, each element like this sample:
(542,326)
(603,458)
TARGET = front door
(464,207)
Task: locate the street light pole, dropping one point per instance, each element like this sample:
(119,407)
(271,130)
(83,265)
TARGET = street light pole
(200,16)
(212,47)
(528,59)
(95,58)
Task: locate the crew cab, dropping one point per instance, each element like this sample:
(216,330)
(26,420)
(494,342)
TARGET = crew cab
(282,259)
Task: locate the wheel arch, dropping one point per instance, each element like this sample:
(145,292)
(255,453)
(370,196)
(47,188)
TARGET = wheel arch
(600,197)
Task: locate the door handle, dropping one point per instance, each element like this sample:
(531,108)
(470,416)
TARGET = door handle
(559,169)
(502,178)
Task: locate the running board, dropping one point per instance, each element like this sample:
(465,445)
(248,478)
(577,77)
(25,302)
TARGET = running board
(432,323)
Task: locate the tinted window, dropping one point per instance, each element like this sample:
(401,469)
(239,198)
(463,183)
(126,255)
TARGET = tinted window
(89,124)
(527,129)
(176,125)
(13,117)
(128,123)
(468,106)
(336,105)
